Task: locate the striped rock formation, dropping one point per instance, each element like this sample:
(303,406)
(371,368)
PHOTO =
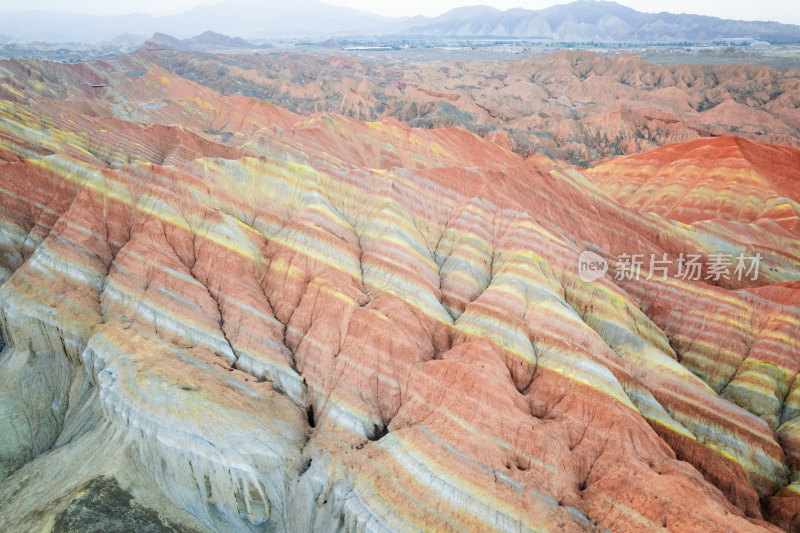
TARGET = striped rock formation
(722,179)
(577,106)
(322,324)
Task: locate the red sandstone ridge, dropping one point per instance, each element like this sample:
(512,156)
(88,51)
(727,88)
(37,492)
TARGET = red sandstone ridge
(312,323)
(725,178)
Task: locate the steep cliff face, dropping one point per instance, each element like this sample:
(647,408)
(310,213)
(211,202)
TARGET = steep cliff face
(322,324)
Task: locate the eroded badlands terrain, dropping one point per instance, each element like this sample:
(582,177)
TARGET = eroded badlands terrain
(218,315)
(574,106)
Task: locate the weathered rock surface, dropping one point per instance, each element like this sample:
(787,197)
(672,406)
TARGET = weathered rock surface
(575,106)
(321,324)
(102,506)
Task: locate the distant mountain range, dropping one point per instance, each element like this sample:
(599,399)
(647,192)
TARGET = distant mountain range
(588,20)
(579,21)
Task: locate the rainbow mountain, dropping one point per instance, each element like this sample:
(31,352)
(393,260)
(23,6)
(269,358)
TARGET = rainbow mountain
(315,323)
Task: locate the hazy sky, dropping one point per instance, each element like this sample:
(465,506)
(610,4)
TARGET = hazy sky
(779,10)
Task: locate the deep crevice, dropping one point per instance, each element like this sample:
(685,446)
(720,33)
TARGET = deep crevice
(310,416)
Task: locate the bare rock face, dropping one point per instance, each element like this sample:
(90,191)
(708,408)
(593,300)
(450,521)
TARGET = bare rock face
(322,324)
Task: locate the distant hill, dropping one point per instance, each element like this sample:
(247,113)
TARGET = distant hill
(582,20)
(206,41)
(212,39)
(589,20)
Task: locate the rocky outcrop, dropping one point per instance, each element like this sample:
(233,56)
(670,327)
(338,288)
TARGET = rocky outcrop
(321,324)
